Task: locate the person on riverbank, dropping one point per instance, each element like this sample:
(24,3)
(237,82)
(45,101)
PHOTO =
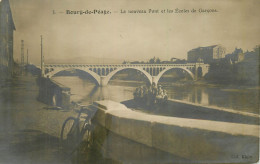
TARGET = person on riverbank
(145,93)
(165,96)
(136,92)
(154,92)
(150,95)
(159,94)
(141,93)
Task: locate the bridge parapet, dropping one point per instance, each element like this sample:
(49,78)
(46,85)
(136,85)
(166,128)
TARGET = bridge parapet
(122,65)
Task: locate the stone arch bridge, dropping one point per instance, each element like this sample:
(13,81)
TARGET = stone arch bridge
(102,73)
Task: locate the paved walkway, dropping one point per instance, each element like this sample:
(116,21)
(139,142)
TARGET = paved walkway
(29,130)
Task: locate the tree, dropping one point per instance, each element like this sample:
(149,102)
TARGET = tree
(158,61)
(221,72)
(242,73)
(152,60)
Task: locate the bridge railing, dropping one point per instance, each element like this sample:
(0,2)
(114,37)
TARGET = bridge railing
(121,65)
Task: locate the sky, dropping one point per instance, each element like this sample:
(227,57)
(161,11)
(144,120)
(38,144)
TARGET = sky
(116,37)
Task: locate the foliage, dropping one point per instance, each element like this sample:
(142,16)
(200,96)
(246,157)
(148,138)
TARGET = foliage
(157,60)
(242,73)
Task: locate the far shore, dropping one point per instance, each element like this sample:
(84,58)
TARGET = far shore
(196,83)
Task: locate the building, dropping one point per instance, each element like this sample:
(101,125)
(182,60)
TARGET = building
(236,56)
(7,28)
(173,59)
(206,54)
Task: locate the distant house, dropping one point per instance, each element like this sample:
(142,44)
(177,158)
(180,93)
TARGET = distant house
(173,59)
(206,54)
(166,62)
(253,55)
(236,56)
(7,28)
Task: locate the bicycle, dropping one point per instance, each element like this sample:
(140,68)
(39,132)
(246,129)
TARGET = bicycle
(75,130)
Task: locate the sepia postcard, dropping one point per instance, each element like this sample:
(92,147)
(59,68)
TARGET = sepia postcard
(129,81)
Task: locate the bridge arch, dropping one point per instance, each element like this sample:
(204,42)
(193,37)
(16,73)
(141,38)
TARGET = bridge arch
(158,77)
(95,76)
(107,78)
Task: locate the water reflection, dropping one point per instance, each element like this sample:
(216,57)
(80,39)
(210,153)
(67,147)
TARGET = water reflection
(86,92)
(193,94)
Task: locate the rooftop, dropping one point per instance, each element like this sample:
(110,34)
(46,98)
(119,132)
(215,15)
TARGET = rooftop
(208,47)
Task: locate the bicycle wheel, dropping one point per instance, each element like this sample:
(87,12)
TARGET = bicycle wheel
(86,136)
(86,133)
(70,133)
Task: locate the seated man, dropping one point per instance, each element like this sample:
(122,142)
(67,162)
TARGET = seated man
(136,93)
(159,95)
(165,97)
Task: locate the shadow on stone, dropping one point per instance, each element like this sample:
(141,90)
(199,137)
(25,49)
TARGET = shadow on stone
(182,110)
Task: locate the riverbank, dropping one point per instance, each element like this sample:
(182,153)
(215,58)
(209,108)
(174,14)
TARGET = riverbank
(29,129)
(181,109)
(84,91)
(210,84)
(204,83)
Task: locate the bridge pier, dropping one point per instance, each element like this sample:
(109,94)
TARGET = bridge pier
(103,81)
(155,79)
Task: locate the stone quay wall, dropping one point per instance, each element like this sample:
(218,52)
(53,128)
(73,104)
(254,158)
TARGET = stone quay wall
(136,137)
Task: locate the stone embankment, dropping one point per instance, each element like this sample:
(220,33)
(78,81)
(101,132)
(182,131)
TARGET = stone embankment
(147,137)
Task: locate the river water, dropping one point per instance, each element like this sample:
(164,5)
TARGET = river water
(243,99)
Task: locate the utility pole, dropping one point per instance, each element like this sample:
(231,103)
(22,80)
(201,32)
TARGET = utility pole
(42,58)
(27,57)
(22,56)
